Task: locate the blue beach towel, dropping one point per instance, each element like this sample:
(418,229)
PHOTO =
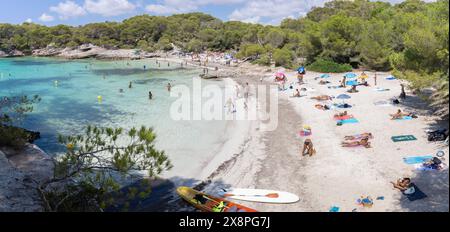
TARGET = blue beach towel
(404,118)
(391,78)
(351,83)
(348,121)
(417,159)
(334,209)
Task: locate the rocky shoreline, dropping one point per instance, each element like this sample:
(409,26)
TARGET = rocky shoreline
(83,52)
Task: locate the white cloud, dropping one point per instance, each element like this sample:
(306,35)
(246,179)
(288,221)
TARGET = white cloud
(68,9)
(109,8)
(274,11)
(29,20)
(46,18)
(166,7)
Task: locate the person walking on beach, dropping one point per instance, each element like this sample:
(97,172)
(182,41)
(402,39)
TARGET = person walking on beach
(246,91)
(375,78)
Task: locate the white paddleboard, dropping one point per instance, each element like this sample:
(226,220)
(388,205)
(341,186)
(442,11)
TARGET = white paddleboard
(261,195)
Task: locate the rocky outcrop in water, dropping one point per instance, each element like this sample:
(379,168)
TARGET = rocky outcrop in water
(13,53)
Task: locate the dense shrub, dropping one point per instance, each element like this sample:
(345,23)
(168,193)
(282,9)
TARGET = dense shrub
(327,66)
(263,60)
(283,57)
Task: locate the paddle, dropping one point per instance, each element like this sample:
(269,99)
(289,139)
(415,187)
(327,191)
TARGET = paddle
(270,195)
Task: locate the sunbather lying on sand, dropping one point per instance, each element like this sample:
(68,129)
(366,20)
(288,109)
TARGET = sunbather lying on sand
(360,136)
(363,142)
(323,82)
(308,148)
(345,113)
(322,107)
(322,98)
(400,115)
(402,184)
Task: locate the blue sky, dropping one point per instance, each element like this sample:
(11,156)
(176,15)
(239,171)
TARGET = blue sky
(77,12)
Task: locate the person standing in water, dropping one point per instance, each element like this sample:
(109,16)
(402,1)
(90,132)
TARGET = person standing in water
(130,85)
(169,87)
(150,95)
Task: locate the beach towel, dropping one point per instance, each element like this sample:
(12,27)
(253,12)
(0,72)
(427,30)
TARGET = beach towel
(417,159)
(351,83)
(404,118)
(379,89)
(417,195)
(334,209)
(335,87)
(348,121)
(382,103)
(391,78)
(345,117)
(403,138)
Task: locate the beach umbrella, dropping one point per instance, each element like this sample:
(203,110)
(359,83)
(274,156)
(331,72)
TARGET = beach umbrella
(343,97)
(350,75)
(325,76)
(280,75)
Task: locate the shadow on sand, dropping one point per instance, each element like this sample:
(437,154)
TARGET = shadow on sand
(435,185)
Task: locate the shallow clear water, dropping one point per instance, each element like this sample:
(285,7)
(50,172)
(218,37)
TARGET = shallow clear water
(71,104)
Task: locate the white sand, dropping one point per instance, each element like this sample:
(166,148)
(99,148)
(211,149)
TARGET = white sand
(338,176)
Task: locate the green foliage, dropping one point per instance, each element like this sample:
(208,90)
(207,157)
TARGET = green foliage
(328,66)
(12,111)
(251,50)
(283,57)
(264,60)
(87,177)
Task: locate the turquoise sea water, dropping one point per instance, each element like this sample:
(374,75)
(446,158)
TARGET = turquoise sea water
(71,104)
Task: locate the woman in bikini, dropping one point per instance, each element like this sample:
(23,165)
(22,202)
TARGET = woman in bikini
(363,142)
(322,98)
(356,137)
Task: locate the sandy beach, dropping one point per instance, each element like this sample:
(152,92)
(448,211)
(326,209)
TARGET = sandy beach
(337,176)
